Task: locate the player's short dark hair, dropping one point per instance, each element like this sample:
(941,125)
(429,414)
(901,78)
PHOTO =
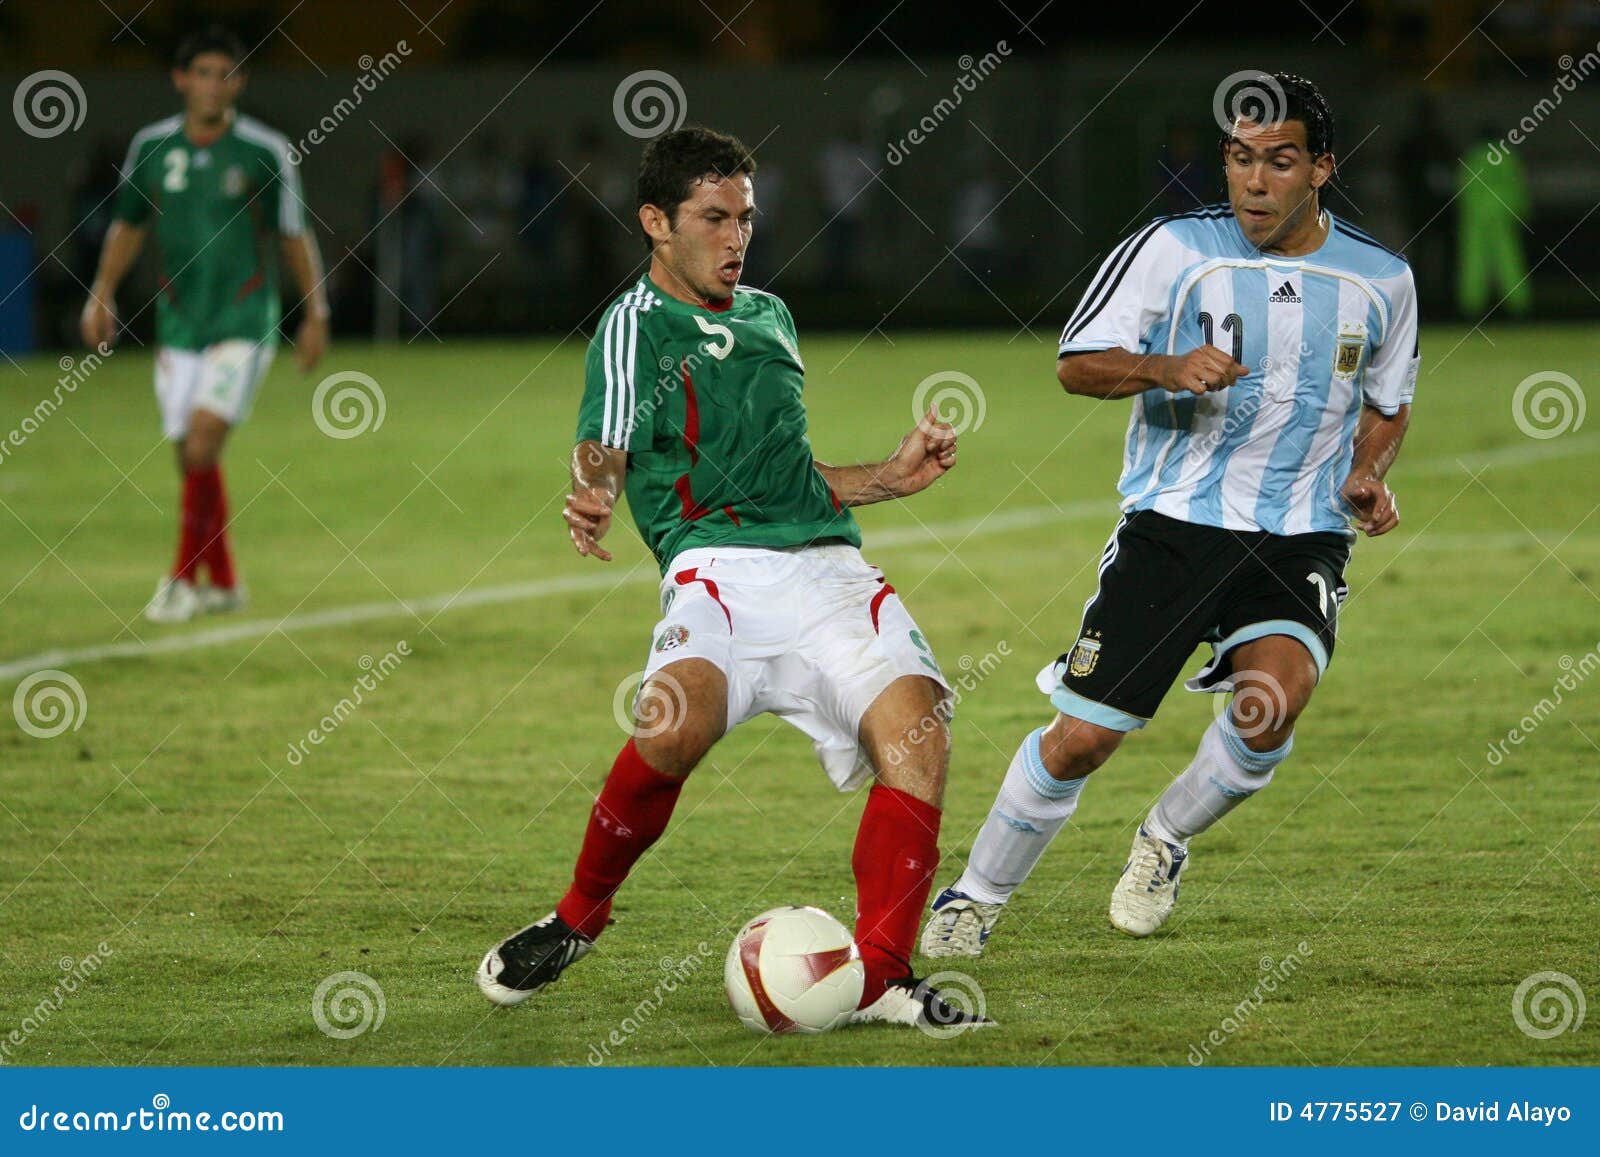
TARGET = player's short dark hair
(1272,98)
(211,38)
(674,161)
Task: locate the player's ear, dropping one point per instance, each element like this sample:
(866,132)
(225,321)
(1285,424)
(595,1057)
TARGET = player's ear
(654,223)
(1321,170)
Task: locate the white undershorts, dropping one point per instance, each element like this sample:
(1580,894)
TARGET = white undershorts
(220,379)
(812,634)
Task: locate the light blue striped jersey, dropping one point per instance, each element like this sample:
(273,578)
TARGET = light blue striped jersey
(1323,335)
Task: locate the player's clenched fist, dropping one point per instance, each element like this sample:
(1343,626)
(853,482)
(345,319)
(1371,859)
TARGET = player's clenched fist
(98,324)
(1376,510)
(588,515)
(1202,370)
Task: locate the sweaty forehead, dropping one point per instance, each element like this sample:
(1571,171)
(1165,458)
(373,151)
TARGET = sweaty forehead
(732,195)
(1264,138)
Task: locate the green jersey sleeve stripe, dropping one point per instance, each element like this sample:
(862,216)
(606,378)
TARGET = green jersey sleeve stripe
(619,353)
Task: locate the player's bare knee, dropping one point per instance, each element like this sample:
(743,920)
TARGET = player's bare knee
(1071,748)
(907,738)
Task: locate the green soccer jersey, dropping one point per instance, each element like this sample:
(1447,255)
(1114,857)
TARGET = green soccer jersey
(707,404)
(217,213)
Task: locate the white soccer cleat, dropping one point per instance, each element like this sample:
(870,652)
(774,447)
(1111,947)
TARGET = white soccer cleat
(914,1002)
(221,600)
(1144,896)
(959,926)
(175,601)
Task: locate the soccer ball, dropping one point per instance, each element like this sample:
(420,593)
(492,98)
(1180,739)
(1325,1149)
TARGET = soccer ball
(794,969)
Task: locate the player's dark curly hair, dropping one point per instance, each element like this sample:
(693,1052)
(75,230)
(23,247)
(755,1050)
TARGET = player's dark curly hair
(211,38)
(674,161)
(1264,98)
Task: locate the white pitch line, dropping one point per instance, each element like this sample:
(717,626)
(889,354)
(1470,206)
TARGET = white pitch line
(1023,518)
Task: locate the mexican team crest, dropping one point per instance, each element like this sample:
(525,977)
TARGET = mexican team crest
(672,638)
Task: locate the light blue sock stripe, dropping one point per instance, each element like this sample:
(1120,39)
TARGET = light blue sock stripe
(1041,780)
(1259,762)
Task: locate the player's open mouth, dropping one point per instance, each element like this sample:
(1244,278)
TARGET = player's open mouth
(730,270)
(1257,214)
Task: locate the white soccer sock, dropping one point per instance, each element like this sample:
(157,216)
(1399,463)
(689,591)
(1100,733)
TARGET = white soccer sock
(1223,775)
(1028,812)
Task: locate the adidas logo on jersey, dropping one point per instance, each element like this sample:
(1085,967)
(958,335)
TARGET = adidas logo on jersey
(1285,295)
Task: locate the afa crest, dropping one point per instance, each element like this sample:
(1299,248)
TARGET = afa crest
(1347,358)
(1085,654)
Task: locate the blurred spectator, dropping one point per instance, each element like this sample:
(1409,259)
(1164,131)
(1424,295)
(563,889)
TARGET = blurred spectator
(1494,206)
(408,238)
(90,205)
(846,171)
(1187,176)
(1425,166)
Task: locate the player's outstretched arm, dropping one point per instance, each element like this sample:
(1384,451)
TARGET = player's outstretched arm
(597,473)
(924,456)
(1116,373)
(1378,438)
(98,324)
(305,266)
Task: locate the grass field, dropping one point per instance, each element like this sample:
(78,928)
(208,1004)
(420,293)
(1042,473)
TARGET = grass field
(1395,883)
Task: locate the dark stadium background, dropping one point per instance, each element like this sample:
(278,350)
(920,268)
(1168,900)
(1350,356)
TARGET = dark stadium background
(494,141)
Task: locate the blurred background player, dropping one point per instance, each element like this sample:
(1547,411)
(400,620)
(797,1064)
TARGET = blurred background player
(217,187)
(1249,454)
(692,403)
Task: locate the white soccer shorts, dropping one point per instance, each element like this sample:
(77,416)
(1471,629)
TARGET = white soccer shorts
(220,379)
(812,634)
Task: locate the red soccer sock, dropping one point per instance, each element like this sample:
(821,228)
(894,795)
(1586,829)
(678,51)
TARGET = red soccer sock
(897,851)
(194,519)
(218,558)
(630,815)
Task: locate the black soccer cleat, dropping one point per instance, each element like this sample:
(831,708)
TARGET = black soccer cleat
(911,1001)
(523,963)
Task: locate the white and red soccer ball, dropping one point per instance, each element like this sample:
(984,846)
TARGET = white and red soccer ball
(794,969)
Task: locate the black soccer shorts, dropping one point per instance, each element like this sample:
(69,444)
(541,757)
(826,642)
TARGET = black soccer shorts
(1166,586)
